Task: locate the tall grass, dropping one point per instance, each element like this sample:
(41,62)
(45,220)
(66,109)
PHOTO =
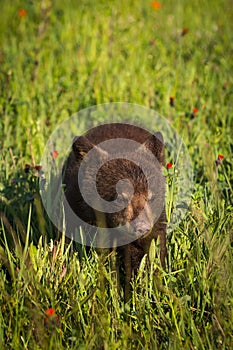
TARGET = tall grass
(58,59)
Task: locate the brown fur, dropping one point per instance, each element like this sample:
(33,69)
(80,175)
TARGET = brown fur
(107,178)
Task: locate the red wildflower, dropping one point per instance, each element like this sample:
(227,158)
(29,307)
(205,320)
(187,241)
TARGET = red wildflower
(50,312)
(52,320)
(38,167)
(219,160)
(172,99)
(169,165)
(22,13)
(54,154)
(220,157)
(184,31)
(195,110)
(156,5)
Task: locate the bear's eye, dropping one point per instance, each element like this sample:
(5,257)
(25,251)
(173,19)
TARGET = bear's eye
(151,196)
(124,197)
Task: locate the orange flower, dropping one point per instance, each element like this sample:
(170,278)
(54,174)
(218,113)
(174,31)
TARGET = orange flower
(156,5)
(52,320)
(22,13)
(50,312)
(184,31)
(195,110)
(54,154)
(169,165)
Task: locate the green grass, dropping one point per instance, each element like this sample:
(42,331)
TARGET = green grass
(63,57)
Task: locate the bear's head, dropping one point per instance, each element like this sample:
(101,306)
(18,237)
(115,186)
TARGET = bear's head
(117,182)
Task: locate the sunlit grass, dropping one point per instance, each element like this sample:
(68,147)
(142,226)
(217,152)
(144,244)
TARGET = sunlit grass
(59,58)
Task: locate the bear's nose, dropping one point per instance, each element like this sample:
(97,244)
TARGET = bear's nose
(141,228)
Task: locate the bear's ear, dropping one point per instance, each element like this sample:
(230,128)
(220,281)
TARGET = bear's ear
(155,144)
(81,146)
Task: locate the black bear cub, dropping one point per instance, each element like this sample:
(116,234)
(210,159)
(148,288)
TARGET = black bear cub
(135,179)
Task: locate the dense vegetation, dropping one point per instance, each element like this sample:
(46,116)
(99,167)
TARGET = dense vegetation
(57,58)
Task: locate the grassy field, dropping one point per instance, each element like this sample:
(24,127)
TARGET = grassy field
(57,58)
